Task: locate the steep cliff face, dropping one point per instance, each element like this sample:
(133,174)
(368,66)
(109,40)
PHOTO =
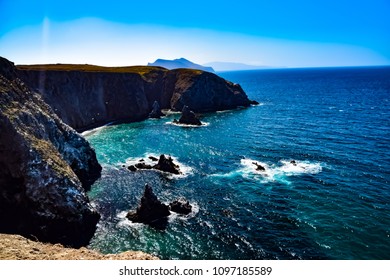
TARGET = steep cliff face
(86,96)
(45,167)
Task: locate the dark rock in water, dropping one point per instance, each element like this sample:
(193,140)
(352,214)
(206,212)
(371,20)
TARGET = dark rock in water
(180,206)
(132,168)
(254,102)
(45,168)
(156,111)
(150,211)
(293,162)
(152,158)
(259,167)
(142,165)
(166,164)
(188,117)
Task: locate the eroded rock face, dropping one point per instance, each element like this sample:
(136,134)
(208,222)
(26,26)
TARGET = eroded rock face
(150,211)
(45,168)
(86,98)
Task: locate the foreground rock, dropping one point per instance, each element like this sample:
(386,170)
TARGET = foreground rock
(45,168)
(86,96)
(188,117)
(150,211)
(180,206)
(16,247)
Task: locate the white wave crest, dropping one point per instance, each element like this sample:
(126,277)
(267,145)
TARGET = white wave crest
(188,125)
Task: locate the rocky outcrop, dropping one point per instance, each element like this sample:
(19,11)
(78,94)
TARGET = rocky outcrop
(150,211)
(180,206)
(188,117)
(156,111)
(45,168)
(86,96)
(164,164)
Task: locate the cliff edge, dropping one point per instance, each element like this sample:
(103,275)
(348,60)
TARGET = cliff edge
(45,168)
(87,96)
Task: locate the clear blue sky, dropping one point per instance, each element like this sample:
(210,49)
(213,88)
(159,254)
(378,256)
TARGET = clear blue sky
(299,33)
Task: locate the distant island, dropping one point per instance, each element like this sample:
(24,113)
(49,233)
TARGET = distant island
(233,66)
(180,63)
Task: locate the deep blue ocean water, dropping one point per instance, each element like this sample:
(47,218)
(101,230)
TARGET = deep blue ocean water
(333,203)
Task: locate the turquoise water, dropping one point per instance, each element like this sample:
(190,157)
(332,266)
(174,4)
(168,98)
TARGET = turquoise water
(333,204)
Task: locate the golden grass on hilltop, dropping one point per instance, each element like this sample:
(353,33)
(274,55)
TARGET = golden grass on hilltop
(16,247)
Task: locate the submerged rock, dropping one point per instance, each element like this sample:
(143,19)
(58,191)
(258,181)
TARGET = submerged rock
(180,206)
(150,211)
(156,111)
(259,167)
(188,117)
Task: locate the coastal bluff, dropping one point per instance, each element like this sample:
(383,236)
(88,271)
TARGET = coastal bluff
(45,168)
(88,96)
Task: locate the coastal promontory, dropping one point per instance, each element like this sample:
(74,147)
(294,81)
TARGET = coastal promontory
(45,168)
(87,96)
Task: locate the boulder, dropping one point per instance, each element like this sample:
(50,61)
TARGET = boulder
(150,211)
(166,164)
(142,165)
(188,117)
(180,206)
(156,111)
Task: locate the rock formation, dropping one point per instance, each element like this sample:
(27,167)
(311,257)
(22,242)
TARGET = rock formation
(180,206)
(150,211)
(156,111)
(87,96)
(188,117)
(166,164)
(45,168)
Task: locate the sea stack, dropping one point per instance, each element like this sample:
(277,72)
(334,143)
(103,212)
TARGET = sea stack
(188,117)
(150,211)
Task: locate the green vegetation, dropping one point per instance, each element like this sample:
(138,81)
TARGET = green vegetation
(142,70)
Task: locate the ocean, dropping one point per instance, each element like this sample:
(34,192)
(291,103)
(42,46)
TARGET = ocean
(323,137)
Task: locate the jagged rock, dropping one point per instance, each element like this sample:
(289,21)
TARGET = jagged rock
(259,167)
(152,158)
(180,206)
(45,168)
(142,165)
(132,168)
(166,164)
(188,117)
(150,211)
(156,111)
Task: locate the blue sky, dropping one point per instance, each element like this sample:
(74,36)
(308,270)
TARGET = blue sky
(299,33)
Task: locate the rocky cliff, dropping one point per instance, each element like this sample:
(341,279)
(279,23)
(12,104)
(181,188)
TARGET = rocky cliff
(45,168)
(86,96)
